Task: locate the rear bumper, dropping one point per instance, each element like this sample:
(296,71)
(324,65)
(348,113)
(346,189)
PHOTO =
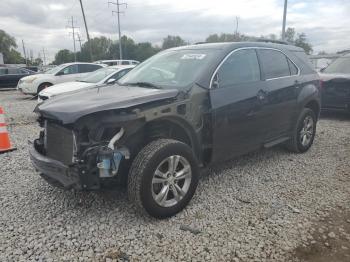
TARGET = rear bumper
(53,171)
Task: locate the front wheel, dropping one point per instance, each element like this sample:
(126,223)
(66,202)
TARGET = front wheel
(163,178)
(304,132)
(43,86)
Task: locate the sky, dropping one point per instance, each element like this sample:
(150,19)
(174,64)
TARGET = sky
(43,23)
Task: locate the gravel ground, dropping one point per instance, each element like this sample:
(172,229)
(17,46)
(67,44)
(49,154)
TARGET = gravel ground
(265,206)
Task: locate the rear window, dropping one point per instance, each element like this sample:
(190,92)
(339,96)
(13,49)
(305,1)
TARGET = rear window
(274,63)
(339,66)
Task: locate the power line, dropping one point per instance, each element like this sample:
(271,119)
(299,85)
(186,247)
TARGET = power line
(73,27)
(87,31)
(118,12)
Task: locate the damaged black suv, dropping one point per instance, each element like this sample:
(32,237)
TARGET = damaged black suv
(180,110)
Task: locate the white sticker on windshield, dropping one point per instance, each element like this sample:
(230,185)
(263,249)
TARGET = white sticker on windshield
(194,56)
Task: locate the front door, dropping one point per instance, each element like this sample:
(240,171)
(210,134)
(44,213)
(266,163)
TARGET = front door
(237,96)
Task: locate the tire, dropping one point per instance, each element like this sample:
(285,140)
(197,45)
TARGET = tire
(42,87)
(143,180)
(295,144)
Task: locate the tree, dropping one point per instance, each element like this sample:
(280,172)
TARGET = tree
(172,41)
(300,40)
(63,56)
(237,37)
(8,49)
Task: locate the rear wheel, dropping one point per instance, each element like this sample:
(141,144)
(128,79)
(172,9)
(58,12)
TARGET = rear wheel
(304,132)
(42,87)
(163,178)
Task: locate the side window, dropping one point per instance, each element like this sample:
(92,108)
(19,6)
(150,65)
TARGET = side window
(274,63)
(120,74)
(72,69)
(3,71)
(293,69)
(13,71)
(125,62)
(240,67)
(85,68)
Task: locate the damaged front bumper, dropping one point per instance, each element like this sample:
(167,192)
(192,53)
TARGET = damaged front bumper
(53,171)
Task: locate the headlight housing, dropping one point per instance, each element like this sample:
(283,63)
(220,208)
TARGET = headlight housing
(30,80)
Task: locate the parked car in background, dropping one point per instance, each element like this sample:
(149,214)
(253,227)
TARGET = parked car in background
(336,84)
(59,74)
(9,76)
(117,62)
(182,109)
(106,75)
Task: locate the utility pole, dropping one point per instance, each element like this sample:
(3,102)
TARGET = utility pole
(236,30)
(44,62)
(284,20)
(24,52)
(73,33)
(87,31)
(119,32)
(79,40)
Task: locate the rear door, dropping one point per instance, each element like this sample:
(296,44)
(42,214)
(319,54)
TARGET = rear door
(281,77)
(235,102)
(3,77)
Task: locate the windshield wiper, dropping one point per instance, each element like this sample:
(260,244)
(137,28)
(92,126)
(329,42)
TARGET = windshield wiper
(143,84)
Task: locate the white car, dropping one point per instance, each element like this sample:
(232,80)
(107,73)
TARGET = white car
(63,73)
(107,75)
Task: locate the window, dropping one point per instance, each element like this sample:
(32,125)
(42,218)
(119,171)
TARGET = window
(134,63)
(119,74)
(3,71)
(84,68)
(341,66)
(293,69)
(240,67)
(274,63)
(72,69)
(125,62)
(13,71)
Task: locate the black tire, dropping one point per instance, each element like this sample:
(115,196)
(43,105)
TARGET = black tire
(42,87)
(295,144)
(143,168)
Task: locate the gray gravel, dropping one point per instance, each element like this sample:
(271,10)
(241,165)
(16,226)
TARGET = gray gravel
(259,207)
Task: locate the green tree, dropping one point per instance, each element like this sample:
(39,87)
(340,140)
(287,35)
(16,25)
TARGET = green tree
(8,49)
(63,56)
(299,40)
(172,41)
(227,38)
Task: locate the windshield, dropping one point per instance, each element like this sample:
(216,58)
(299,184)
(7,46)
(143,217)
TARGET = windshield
(340,66)
(98,75)
(170,69)
(55,69)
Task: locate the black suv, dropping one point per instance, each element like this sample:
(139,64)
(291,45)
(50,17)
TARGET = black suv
(180,110)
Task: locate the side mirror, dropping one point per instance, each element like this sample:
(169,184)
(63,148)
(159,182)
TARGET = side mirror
(215,84)
(322,69)
(111,81)
(60,73)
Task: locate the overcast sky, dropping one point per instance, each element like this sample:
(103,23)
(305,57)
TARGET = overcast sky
(42,23)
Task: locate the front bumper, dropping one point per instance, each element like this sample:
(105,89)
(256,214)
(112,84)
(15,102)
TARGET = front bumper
(53,171)
(26,88)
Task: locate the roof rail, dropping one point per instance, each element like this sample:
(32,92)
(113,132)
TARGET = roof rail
(266,40)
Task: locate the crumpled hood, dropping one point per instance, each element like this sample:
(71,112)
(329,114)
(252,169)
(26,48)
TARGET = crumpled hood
(69,107)
(64,88)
